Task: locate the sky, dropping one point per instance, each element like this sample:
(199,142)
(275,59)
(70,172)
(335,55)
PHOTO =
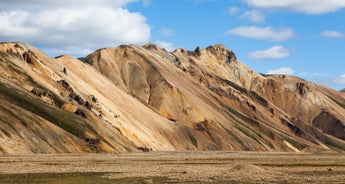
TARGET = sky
(305,38)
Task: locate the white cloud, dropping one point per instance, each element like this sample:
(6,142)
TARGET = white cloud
(332,34)
(303,6)
(72,27)
(339,79)
(56,4)
(282,71)
(166,45)
(263,33)
(254,16)
(233,10)
(167,32)
(77,51)
(275,52)
(335,82)
(311,74)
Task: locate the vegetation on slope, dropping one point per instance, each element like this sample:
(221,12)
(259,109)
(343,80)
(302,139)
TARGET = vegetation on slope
(65,120)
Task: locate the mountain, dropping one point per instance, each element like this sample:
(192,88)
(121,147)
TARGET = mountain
(142,98)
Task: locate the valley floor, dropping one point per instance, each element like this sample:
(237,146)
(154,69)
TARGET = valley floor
(175,167)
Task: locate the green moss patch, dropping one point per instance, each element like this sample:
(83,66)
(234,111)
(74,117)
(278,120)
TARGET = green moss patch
(65,120)
(337,102)
(76,178)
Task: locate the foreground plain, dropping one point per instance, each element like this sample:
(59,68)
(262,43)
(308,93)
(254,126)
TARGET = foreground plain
(175,167)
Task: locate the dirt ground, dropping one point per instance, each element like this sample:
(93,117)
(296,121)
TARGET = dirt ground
(175,167)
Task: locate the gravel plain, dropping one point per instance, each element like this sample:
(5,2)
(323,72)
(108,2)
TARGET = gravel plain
(175,167)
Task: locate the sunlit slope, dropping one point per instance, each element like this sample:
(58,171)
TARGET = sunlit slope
(143,98)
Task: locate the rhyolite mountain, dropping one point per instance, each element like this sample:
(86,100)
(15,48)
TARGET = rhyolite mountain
(143,98)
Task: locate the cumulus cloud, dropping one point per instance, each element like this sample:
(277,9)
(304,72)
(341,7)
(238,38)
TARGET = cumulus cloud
(303,6)
(282,71)
(167,32)
(263,33)
(275,52)
(254,16)
(166,45)
(55,4)
(332,34)
(75,27)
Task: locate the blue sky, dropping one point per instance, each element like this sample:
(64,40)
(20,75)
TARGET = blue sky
(298,37)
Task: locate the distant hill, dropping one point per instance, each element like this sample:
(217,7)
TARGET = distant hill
(142,98)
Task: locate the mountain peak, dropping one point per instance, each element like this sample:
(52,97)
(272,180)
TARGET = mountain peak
(222,52)
(151,46)
(219,46)
(11,46)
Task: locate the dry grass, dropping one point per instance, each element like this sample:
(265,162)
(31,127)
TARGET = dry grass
(175,167)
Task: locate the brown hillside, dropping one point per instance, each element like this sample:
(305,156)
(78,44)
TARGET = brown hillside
(134,98)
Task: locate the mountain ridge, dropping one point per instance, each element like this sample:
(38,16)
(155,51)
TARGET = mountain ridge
(142,98)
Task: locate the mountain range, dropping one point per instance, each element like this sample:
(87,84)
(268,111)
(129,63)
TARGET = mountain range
(143,98)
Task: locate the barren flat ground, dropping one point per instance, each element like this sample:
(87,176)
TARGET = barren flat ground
(175,167)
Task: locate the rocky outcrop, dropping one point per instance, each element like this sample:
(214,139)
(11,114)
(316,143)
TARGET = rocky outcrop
(222,53)
(329,124)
